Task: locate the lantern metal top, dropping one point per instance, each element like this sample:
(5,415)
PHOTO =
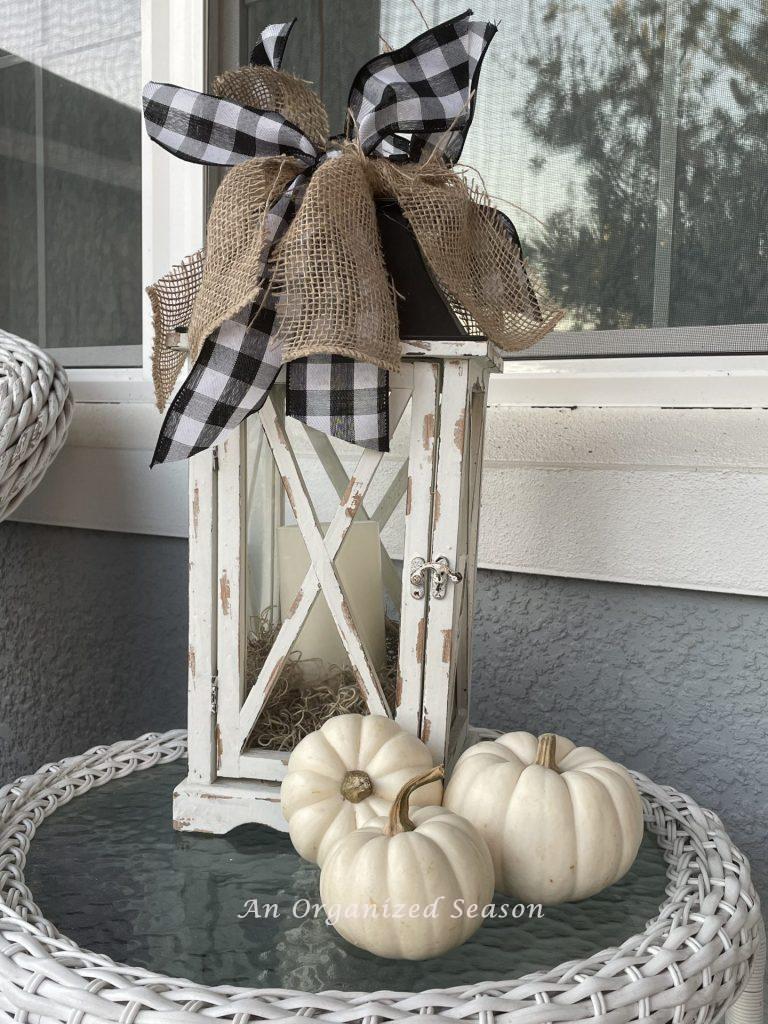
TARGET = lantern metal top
(440,348)
(423,309)
(430,326)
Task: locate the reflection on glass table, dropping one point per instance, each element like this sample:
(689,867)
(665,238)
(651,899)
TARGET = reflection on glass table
(111,874)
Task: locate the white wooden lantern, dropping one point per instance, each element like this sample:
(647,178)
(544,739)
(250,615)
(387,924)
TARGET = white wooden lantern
(390,535)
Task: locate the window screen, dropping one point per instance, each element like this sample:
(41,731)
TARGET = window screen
(70,178)
(327,46)
(628,141)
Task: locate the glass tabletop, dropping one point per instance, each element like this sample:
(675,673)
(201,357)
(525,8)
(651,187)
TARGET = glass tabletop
(114,877)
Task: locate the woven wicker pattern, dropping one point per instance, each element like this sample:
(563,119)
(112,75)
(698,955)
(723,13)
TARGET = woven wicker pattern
(35,412)
(692,962)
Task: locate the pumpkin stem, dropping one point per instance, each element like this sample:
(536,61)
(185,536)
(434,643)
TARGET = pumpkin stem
(545,751)
(356,786)
(398,814)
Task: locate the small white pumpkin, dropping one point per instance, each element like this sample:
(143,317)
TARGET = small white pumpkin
(562,822)
(409,889)
(346,773)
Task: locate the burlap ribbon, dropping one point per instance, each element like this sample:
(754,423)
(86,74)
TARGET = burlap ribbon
(293,228)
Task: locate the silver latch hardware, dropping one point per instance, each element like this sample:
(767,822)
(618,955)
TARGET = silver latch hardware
(441,573)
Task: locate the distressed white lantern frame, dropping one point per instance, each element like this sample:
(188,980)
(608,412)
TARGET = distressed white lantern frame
(446,384)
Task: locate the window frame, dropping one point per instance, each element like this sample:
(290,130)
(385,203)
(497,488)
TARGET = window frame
(173,48)
(662,382)
(101,480)
(116,420)
(175,45)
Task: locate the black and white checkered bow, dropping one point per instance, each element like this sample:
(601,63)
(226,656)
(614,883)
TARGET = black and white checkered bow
(402,104)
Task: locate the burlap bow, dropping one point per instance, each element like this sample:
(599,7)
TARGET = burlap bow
(293,270)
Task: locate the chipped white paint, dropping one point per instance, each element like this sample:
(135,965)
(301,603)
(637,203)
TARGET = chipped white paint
(454,533)
(418,525)
(225,804)
(438,470)
(232,624)
(202,625)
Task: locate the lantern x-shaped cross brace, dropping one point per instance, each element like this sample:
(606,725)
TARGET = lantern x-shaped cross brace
(337,476)
(321,575)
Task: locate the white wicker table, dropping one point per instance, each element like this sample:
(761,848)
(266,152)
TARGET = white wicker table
(700,956)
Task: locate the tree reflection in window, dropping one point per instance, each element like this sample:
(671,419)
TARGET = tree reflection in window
(629,142)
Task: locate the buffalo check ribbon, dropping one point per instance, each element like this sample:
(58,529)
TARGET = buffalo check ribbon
(402,105)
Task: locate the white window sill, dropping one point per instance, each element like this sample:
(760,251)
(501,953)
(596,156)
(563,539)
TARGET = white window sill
(131,387)
(641,471)
(669,382)
(101,480)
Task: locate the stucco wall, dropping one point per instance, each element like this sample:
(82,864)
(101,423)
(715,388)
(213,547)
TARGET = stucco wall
(92,640)
(675,683)
(671,682)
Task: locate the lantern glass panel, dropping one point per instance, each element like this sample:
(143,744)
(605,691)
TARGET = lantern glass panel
(323,519)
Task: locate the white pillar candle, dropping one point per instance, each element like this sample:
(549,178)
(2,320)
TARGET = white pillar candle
(358,565)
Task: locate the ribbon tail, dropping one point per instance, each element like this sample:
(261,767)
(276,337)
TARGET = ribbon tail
(238,361)
(269,50)
(232,377)
(341,397)
(236,368)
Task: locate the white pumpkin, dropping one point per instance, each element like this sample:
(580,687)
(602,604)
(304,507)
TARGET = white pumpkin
(346,773)
(409,889)
(562,822)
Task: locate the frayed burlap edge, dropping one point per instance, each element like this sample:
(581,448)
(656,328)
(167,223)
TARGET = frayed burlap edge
(467,247)
(233,272)
(335,296)
(265,88)
(171,299)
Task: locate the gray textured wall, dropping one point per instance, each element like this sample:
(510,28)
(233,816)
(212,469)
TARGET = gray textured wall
(675,683)
(92,640)
(671,682)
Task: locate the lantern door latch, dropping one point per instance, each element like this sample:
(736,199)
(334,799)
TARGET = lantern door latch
(441,572)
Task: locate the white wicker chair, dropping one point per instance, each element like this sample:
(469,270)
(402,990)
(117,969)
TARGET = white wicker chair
(35,413)
(702,955)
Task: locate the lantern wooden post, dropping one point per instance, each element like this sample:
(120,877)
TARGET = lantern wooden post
(445,385)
